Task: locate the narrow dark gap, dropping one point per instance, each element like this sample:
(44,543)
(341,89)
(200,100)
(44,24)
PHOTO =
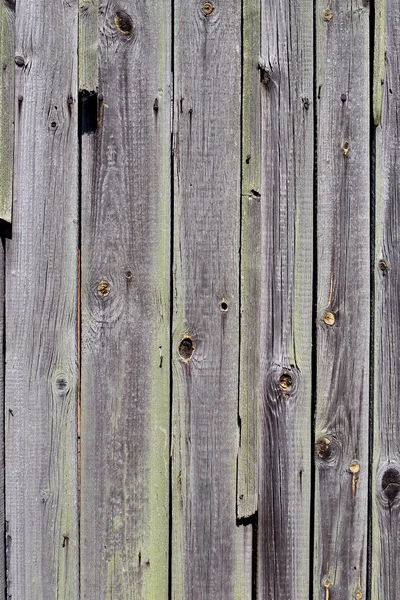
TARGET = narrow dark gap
(79,325)
(254,562)
(245,522)
(314,311)
(372,304)
(239,423)
(171,307)
(5,234)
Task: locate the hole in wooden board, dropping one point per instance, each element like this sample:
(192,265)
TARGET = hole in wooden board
(186,348)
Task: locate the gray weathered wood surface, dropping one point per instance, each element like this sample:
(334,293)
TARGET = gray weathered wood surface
(41,309)
(386,464)
(7,41)
(194,403)
(125,49)
(287,156)
(343,299)
(250,267)
(207,546)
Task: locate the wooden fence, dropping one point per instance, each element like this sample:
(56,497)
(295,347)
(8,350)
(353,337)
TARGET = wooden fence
(201,271)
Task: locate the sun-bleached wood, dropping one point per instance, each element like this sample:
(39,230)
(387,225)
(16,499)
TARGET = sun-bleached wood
(287,168)
(41,309)
(125,155)
(386,456)
(343,299)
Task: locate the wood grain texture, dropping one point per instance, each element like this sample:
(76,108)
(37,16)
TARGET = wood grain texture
(41,310)
(343,299)
(207,546)
(7,40)
(250,268)
(4,547)
(125,301)
(386,465)
(379,59)
(287,146)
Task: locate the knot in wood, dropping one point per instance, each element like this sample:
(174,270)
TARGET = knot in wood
(186,348)
(383,266)
(207,8)
(20,61)
(103,288)
(285,381)
(323,448)
(329,318)
(123,22)
(61,384)
(224,305)
(328,14)
(354,467)
(391,484)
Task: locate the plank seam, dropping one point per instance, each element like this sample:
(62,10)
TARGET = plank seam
(239,423)
(79,322)
(6,233)
(314,312)
(372,306)
(171,304)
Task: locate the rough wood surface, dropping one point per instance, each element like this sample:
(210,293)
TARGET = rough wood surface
(207,545)
(379,59)
(3,529)
(7,35)
(386,464)
(287,146)
(41,310)
(250,268)
(125,299)
(343,299)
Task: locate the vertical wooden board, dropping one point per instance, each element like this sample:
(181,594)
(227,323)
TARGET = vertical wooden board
(41,310)
(287,155)
(3,530)
(250,269)
(386,464)
(379,59)
(208,561)
(7,19)
(343,299)
(125,158)
(7,23)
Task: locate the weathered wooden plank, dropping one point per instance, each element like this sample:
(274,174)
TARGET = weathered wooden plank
(379,59)
(286,72)
(7,17)
(343,299)
(3,529)
(207,546)
(7,35)
(386,464)
(41,309)
(250,271)
(125,299)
